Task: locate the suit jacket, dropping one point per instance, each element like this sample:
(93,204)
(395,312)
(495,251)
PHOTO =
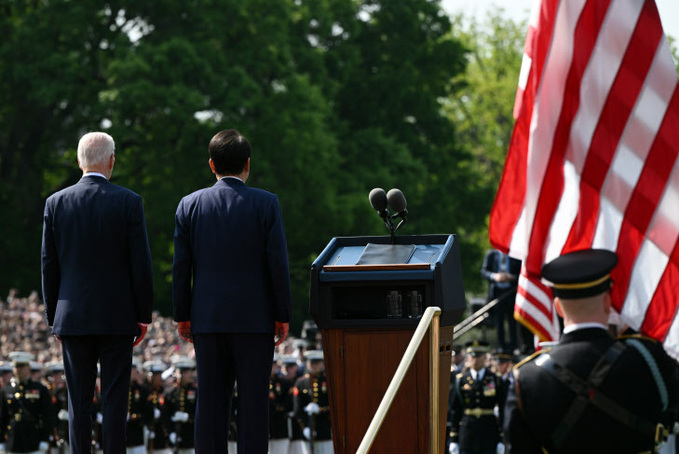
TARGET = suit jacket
(492,264)
(96,261)
(230,241)
(538,402)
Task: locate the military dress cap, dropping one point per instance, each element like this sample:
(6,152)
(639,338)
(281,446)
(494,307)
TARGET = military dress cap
(5,366)
(54,367)
(503,357)
(21,358)
(313,355)
(183,362)
(155,366)
(35,366)
(580,274)
(288,360)
(137,363)
(476,347)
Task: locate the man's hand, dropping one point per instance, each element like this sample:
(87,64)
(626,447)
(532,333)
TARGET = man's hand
(57,337)
(142,332)
(281,332)
(184,330)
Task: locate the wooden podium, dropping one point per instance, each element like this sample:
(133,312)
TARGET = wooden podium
(364,338)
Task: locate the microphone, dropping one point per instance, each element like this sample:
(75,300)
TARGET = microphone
(397,201)
(378,200)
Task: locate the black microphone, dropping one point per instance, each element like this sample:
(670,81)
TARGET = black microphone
(378,200)
(396,201)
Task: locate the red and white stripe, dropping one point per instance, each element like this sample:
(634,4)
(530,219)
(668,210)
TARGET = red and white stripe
(593,159)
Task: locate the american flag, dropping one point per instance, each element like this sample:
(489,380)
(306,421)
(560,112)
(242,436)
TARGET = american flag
(593,160)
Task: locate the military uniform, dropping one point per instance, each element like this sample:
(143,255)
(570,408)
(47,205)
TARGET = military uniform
(474,424)
(140,414)
(312,406)
(179,411)
(26,415)
(590,393)
(158,435)
(544,412)
(280,405)
(57,388)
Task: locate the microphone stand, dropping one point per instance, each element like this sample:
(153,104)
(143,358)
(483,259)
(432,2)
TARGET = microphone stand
(391,227)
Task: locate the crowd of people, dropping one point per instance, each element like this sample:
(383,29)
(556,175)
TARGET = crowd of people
(163,385)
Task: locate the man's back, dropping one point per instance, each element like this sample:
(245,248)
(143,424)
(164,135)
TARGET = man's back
(233,238)
(96,260)
(618,415)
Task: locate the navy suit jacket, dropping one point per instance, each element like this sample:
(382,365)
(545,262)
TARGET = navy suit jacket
(230,272)
(96,262)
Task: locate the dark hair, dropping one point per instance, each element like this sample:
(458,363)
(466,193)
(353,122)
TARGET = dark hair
(229,151)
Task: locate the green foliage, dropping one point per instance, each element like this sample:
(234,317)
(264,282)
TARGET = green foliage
(482,109)
(336,97)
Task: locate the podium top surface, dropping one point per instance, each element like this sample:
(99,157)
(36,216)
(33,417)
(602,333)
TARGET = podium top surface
(338,261)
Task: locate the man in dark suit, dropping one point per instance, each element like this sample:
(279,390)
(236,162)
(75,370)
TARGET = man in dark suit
(502,273)
(98,289)
(590,393)
(231,292)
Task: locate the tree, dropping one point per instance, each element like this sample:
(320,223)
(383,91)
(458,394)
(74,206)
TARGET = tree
(336,96)
(482,107)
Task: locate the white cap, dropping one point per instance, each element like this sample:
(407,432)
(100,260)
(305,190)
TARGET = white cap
(183,362)
(136,362)
(314,355)
(21,357)
(155,366)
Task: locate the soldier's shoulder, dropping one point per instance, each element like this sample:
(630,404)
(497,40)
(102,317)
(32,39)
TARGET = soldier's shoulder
(531,358)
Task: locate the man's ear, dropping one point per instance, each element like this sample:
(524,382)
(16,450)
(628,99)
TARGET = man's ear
(558,307)
(212,166)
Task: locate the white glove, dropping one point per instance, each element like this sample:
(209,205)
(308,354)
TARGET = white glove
(43,446)
(312,408)
(500,448)
(454,448)
(173,438)
(2,448)
(180,416)
(63,415)
(152,435)
(156,413)
(128,417)
(675,429)
(100,418)
(307,433)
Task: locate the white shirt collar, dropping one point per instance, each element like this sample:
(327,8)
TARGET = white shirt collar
(231,176)
(94,174)
(477,373)
(577,326)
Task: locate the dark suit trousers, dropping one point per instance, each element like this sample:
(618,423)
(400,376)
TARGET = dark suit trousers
(222,359)
(80,364)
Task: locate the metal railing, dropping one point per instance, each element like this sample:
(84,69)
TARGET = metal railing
(474,319)
(430,318)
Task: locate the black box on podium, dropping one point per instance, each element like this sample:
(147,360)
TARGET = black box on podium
(367,296)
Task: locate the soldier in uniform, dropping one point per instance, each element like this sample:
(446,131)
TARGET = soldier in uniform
(590,393)
(139,410)
(56,384)
(475,426)
(158,442)
(280,405)
(25,410)
(180,405)
(312,404)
